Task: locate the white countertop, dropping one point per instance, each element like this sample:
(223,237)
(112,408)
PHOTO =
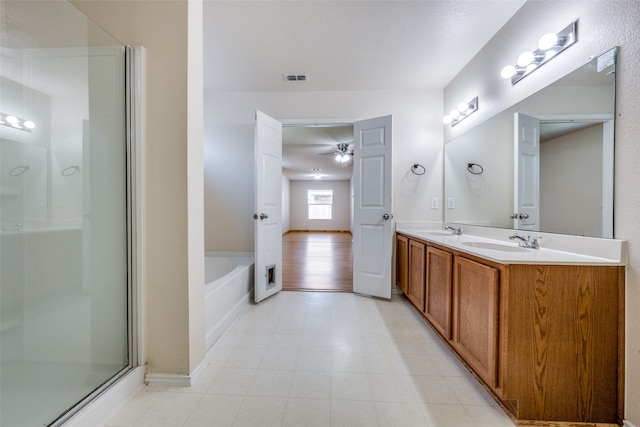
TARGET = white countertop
(494,245)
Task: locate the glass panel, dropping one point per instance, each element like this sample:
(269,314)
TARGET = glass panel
(63,240)
(320,197)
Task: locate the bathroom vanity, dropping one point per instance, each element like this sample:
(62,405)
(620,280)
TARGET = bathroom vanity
(542,329)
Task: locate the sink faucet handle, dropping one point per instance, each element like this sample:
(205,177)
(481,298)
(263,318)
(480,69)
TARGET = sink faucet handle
(454,230)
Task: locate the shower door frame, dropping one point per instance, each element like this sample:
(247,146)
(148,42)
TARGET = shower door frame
(133,137)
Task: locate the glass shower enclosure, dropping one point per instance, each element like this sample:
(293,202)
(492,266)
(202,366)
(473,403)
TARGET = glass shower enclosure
(64,289)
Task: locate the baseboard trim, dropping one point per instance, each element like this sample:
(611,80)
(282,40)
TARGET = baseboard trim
(627,423)
(99,411)
(176,380)
(318,231)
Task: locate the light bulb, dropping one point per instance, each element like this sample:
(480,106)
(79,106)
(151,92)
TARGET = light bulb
(12,120)
(463,107)
(508,72)
(548,41)
(446,119)
(525,58)
(29,124)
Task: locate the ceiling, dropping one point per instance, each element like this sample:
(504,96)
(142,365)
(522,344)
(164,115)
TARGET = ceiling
(342,46)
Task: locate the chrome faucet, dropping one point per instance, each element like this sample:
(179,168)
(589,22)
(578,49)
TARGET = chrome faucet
(526,243)
(457,231)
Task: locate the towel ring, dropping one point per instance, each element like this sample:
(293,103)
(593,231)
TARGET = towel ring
(471,166)
(416,168)
(70,170)
(18,170)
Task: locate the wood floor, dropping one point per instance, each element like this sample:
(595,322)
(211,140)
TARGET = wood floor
(317,261)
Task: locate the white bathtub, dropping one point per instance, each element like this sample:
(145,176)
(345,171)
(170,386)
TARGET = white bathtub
(228,286)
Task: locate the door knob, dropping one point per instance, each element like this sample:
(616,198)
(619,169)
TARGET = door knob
(386,216)
(519,216)
(261,216)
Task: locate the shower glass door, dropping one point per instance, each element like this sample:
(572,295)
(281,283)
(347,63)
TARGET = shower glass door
(63,211)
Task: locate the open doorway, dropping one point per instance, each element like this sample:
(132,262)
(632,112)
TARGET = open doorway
(317,207)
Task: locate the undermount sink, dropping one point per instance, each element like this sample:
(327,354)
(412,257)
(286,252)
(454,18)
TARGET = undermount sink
(495,246)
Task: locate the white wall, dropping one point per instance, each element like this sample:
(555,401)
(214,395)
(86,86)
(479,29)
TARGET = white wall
(571,183)
(602,25)
(417,138)
(340,220)
(286,204)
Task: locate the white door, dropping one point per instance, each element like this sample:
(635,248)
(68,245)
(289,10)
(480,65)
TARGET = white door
(526,172)
(373,225)
(268,204)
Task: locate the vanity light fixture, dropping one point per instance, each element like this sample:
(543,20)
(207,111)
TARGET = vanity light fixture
(464,110)
(16,122)
(549,46)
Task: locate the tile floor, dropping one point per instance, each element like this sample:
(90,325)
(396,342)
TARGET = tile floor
(322,359)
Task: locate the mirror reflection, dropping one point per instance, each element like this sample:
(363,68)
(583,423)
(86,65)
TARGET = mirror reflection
(545,164)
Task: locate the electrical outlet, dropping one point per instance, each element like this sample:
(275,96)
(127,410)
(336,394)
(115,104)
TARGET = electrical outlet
(434,203)
(451,203)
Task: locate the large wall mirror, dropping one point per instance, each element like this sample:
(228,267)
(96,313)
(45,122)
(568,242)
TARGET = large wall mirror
(545,164)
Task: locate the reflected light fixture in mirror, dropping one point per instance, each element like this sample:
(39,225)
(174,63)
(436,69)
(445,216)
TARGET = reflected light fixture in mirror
(16,122)
(549,46)
(316,173)
(464,110)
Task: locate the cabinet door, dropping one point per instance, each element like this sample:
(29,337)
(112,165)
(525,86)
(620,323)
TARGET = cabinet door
(438,290)
(402,262)
(415,291)
(475,316)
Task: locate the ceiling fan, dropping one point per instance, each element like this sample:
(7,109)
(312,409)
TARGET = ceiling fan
(343,154)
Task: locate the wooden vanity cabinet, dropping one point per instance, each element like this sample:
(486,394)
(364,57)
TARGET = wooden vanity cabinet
(476,291)
(415,288)
(402,262)
(438,290)
(546,340)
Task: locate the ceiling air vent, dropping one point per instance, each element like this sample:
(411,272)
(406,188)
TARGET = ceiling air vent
(296,77)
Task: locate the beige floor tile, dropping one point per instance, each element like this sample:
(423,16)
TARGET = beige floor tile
(306,384)
(271,383)
(439,415)
(232,381)
(170,410)
(350,386)
(215,411)
(261,411)
(390,388)
(394,414)
(307,413)
(279,359)
(347,413)
(432,389)
(488,416)
(133,411)
(323,359)
(314,361)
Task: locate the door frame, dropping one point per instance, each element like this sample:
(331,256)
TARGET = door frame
(608,153)
(326,123)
